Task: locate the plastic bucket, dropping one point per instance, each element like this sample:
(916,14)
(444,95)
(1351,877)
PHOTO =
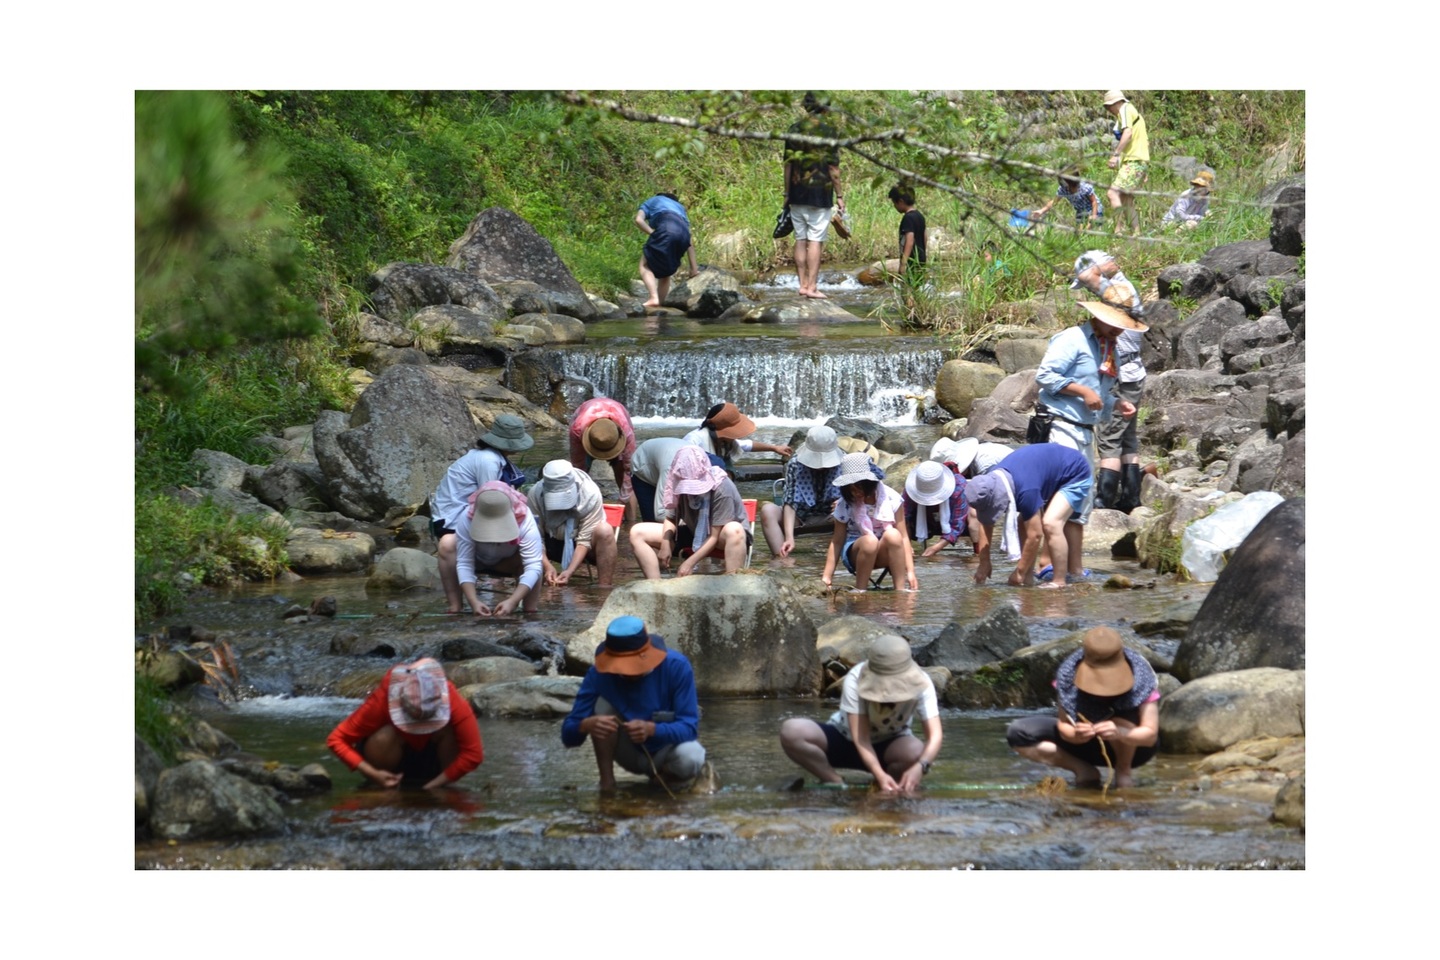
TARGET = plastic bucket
(749,509)
(615,514)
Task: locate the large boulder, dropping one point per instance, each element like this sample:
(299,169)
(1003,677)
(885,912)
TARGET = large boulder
(530,697)
(1196,345)
(1214,712)
(847,638)
(499,247)
(961,382)
(148,767)
(329,551)
(745,635)
(708,294)
(1254,616)
(1287,222)
(1189,281)
(289,485)
(404,568)
(1234,259)
(405,431)
(199,801)
(398,290)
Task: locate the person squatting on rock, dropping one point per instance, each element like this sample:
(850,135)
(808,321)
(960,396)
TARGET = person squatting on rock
(703,513)
(637,704)
(1117,441)
(1108,695)
(450,503)
(871,731)
(413,729)
(500,537)
(664,220)
(1042,486)
(812,188)
(870,532)
(570,512)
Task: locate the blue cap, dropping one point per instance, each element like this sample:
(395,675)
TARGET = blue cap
(626,633)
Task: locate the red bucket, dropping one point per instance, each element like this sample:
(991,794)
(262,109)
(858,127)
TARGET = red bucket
(749,509)
(615,514)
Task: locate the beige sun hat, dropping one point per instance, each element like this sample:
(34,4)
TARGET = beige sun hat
(494,520)
(821,448)
(890,674)
(1113,96)
(1114,316)
(1103,670)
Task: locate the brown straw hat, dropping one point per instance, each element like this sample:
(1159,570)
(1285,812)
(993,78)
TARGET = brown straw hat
(730,424)
(1104,671)
(1114,316)
(603,439)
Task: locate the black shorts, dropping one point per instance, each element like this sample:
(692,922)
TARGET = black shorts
(417,767)
(1029,731)
(840,751)
(438,528)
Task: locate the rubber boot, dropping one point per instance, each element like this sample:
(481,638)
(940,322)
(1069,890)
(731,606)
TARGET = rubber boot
(1130,487)
(1107,488)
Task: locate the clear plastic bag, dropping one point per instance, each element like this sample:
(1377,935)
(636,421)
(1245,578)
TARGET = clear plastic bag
(1205,543)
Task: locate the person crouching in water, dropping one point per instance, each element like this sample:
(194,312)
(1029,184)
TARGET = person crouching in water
(638,706)
(871,730)
(869,527)
(413,729)
(1109,713)
(703,513)
(570,512)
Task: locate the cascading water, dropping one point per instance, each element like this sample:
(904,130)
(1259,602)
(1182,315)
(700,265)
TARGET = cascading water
(777,379)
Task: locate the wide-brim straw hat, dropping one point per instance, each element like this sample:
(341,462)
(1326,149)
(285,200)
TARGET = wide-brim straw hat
(603,439)
(1114,96)
(1203,179)
(959,452)
(930,483)
(890,674)
(629,649)
(1103,671)
(821,448)
(1114,316)
(508,433)
(419,697)
(854,467)
(494,520)
(730,424)
(558,485)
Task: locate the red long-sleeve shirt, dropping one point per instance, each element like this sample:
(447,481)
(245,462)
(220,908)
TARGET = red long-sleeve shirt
(374,713)
(598,408)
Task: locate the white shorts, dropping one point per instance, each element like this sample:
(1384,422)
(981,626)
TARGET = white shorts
(811,222)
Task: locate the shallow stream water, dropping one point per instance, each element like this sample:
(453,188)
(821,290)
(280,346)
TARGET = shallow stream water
(533,804)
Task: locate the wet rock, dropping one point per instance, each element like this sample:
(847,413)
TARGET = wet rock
(472,648)
(960,383)
(744,634)
(708,294)
(328,551)
(1222,709)
(350,644)
(1173,622)
(1254,615)
(203,739)
(168,668)
(531,697)
(148,767)
(499,246)
(847,638)
(968,646)
(554,327)
(322,607)
(404,568)
(857,427)
(289,485)
(483,670)
(1290,803)
(197,800)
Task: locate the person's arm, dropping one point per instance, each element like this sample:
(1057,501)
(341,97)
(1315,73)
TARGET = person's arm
(907,248)
(690,253)
(906,551)
(832,553)
(370,716)
(700,552)
(839,190)
(575,726)
(782,449)
(470,748)
(1126,130)
(1034,534)
(643,223)
(1037,214)
(531,550)
(910,779)
(787,528)
(1073,729)
(684,703)
(1094,204)
(860,736)
(982,532)
(1143,734)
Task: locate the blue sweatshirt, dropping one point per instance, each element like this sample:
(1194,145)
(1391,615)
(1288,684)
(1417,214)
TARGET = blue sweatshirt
(670,686)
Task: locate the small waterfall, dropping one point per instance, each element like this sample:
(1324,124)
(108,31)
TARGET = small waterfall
(779,379)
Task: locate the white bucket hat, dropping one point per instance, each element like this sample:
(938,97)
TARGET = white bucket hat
(959,452)
(558,486)
(821,448)
(930,483)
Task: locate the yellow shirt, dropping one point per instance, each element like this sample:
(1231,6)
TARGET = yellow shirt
(1139,146)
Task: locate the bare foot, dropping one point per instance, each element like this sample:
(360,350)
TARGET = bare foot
(1124,780)
(820,296)
(1051,586)
(650,305)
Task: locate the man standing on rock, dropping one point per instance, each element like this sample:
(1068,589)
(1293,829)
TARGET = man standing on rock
(812,188)
(637,704)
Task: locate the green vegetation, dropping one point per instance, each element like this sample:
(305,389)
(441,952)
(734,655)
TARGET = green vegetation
(157,719)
